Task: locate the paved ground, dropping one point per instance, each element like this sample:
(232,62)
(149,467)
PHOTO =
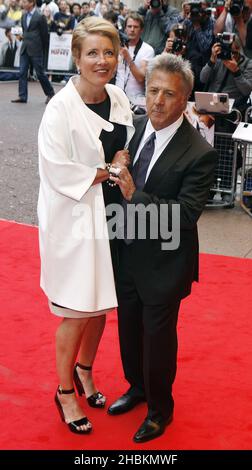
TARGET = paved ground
(222,231)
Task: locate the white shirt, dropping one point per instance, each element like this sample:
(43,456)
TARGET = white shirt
(163,137)
(124,77)
(29,17)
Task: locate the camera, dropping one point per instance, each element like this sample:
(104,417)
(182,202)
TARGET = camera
(124,40)
(177,45)
(198,13)
(236,7)
(226,40)
(155,3)
(180,37)
(195,10)
(59,30)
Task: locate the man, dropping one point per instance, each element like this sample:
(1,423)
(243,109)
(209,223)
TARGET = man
(237,21)
(9,56)
(200,38)
(229,71)
(158,19)
(35,38)
(151,280)
(133,60)
(230,74)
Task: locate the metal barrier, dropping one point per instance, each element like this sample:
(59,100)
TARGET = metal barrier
(246,178)
(222,193)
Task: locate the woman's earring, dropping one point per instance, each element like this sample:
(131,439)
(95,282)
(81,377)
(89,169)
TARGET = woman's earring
(78,70)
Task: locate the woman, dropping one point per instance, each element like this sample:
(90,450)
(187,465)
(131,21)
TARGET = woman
(83,129)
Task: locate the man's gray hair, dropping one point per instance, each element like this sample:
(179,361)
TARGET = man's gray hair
(172,63)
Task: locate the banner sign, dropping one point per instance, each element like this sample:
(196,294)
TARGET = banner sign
(59,56)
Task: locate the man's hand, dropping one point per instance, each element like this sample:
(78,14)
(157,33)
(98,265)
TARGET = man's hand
(124,52)
(216,50)
(227,5)
(146,4)
(121,158)
(231,65)
(168,45)
(126,183)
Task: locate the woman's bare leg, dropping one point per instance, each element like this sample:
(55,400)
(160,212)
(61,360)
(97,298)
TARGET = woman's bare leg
(68,338)
(88,348)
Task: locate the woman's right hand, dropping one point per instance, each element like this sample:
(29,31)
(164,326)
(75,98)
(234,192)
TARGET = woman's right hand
(121,158)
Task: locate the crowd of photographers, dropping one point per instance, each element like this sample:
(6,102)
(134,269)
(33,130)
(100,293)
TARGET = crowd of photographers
(216,37)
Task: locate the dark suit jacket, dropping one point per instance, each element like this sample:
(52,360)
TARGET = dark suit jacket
(35,38)
(183,174)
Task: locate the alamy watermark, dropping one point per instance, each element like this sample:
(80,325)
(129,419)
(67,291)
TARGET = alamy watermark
(133,221)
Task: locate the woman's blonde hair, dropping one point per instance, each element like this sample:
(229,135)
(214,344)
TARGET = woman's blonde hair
(94,25)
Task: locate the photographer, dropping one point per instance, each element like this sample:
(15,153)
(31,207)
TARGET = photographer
(176,42)
(229,75)
(134,56)
(234,18)
(158,20)
(200,36)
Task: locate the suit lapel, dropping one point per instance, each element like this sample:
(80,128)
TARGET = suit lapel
(171,154)
(140,125)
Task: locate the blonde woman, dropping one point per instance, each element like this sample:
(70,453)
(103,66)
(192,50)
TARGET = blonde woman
(84,131)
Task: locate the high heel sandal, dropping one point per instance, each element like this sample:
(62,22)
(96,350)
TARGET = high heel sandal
(73,425)
(97,400)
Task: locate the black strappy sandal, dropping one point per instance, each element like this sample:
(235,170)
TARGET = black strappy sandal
(73,425)
(97,400)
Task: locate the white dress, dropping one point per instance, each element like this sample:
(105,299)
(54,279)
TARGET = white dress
(76,266)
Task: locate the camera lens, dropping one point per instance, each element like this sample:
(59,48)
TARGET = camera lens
(155,3)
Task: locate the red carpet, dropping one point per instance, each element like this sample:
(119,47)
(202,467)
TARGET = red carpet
(213,390)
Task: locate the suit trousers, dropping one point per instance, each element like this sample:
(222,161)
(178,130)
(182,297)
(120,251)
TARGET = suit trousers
(37,63)
(148,340)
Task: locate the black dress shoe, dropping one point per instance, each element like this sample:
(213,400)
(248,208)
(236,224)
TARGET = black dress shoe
(151,429)
(19,100)
(125,403)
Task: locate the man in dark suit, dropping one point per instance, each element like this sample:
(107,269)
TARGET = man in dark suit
(35,39)
(173,168)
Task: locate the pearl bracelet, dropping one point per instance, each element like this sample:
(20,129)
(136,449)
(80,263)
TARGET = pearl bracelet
(114,172)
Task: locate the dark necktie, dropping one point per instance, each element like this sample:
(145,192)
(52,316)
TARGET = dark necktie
(138,173)
(141,166)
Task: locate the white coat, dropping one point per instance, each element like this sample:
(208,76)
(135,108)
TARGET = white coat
(76,267)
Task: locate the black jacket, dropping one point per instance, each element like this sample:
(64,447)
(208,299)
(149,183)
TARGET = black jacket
(183,174)
(35,38)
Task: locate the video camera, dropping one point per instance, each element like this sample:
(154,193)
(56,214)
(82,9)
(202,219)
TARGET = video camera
(180,38)
(226,40)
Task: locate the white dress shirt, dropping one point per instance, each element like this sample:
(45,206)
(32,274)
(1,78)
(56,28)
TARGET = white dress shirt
(163,137)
